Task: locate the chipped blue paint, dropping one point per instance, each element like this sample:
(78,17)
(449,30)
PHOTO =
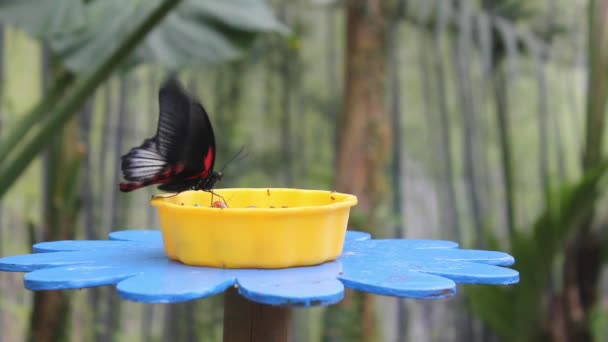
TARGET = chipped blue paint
(134,261)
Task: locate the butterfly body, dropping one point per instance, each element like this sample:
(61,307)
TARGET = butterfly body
(181,155)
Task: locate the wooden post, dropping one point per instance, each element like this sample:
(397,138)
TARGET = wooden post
(247,321)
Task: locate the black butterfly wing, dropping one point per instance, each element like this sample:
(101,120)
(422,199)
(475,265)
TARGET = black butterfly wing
(199,154)
(182,149)
(201,142)
(173,121)
(143,162)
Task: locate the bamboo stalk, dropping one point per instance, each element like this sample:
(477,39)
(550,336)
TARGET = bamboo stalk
(467,111)
(445,124)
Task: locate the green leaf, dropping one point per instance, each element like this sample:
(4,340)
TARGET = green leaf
(44,19)
(245,15)
(599,324)
(197,32)
(182,42)
(107,21)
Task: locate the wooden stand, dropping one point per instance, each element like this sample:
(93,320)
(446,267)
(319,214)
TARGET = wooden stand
(247,321)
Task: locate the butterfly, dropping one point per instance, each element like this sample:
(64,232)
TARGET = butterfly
(181,155)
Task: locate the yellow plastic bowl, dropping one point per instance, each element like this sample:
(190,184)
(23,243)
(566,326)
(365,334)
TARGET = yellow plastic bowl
(285,228)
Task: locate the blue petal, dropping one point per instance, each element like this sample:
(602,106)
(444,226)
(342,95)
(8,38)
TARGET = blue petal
(86,245)
(409,268)
(68,270)
(107,257)
(392,248)
(32,262)
(76,276)
(471,272)
(173,282)
(485,257)
(152,237)
(303,286)
(396,283)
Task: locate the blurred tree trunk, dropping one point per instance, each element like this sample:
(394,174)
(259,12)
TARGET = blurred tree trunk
(1,118)
(363,149)
(554,121)
(228,98)
(462,45)
(333,81)
(304,144)
(151,91)
(445,134)
(111,319)
(107,134)
(173,317)
(87,186)
(543,126)
(50,312)
(1,75)
(364,146)
(504,48)
(583,257)
(560,153)
(45,79)
(181,323)
(117,210)
(98,307)
(504,142)
(285,72)
(1,126)
(462,59)
(597,83)
(398,173)
(147,321)
(269,103)
(89,194)
(485,125)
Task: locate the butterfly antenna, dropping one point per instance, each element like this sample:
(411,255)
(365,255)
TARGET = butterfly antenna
(241,154)
(171,75)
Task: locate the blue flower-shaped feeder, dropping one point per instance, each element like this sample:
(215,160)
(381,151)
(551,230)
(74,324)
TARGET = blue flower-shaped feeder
(135,261)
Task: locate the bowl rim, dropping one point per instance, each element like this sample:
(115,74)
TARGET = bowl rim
(348,201)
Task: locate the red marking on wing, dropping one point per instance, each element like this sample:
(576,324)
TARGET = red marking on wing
(130,186)
(162,177)
(207,162)
(208,159)
(166,174)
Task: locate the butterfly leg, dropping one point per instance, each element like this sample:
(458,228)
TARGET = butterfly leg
(218,195)
(168,196)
